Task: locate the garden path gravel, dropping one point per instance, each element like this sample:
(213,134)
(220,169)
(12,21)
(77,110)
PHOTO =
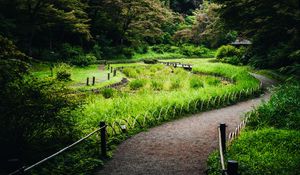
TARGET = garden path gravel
(180,147)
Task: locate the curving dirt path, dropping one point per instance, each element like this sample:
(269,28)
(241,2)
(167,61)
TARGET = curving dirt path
(179,147)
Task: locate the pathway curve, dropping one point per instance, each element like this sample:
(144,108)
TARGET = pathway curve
(180,147)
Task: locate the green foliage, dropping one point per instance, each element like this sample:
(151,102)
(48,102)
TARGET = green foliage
(36,118)
(227,51)
(63,72)
(190,50)
(137,84)
(196,83)
(107,92)
(130,72)
(83,60)
(230,54)
(271,137)
(282,111)
(272,44)
(175,83)
(150,61)
(157,85)
(264,151)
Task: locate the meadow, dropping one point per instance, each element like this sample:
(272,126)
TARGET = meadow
(154,94)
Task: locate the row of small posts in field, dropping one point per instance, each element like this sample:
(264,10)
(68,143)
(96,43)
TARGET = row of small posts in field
(112,71)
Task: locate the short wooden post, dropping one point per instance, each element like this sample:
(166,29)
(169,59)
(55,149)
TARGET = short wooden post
(108,66)
(108,76)
(115,72)
(111,69)
(223,136)
(232,167)
(175,65)
(103,139)
(94,79)
(87,81)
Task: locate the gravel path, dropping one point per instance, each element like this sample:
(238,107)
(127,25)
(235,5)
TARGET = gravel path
(180,147)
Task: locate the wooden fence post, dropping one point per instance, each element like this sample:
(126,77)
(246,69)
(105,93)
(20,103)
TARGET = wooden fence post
(115,72)
(108,76)
(87,81)
(94,79)
(111,69)
(232,167)
(103,139)
(223,136)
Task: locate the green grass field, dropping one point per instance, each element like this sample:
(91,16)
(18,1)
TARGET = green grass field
(154,94)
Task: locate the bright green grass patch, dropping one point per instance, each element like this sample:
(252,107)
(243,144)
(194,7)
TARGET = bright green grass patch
(79,76)
(267,151)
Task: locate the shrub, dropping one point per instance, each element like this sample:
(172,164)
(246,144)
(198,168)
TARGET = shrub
(130,72)
(142,49)
(36,119)
(196,83)
(282,111)
(137,84)
(107,92)
(158,48)
(232,55)
(157,85)
(84,60)
(175,83)
(97,51)
(234,60)
(267,151)
(128,52)
(150,61)
(63,72)
(69,52)
(190,50)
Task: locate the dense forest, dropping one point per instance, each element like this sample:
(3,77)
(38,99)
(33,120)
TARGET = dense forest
(41,115)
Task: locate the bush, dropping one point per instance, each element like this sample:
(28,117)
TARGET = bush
(282,111)
(196,83)
(128,52)
(137,84)
(175,83)
(190,50)
(130,72)
(150,61)
(97,51)
(83,60)
(63,72)
(234,60)
(36,119)
(232,55)
(267,151)
(107,92)
(69,52)
(142,49)
(157,85)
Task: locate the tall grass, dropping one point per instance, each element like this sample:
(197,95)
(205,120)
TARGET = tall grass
(146,107)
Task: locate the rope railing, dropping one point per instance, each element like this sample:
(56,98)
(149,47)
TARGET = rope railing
(103,131)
